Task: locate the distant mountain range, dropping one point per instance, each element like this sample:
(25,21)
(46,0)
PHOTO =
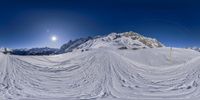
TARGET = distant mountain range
(125,40)
(35,51)
(194,48)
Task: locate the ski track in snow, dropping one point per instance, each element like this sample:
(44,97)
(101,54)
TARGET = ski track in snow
(107,74)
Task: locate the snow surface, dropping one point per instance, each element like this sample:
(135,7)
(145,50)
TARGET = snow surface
(103,73)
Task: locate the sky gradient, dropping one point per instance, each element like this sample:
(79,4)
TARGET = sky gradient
(31,23)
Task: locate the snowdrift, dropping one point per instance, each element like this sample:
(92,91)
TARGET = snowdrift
(147,74)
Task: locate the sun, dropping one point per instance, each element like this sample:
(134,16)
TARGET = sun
(54,38)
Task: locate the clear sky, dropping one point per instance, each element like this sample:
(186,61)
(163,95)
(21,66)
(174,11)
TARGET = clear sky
(31,23)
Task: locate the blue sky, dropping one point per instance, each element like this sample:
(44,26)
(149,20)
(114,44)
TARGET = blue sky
(31,23)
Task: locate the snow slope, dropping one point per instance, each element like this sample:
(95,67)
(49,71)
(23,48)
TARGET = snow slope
(103,73)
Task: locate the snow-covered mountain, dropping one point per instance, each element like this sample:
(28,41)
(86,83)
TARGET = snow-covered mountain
(194,48)
(125,40)
(72,44)
(35,51)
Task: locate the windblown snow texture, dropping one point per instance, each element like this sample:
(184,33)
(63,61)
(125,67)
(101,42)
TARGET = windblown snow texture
(146,74)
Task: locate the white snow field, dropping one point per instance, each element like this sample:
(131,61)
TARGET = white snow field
(103,73)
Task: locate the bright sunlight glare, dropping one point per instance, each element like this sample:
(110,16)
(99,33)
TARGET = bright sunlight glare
(53,38)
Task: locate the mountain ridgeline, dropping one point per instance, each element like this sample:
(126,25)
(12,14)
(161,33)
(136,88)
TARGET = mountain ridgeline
(125,40)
